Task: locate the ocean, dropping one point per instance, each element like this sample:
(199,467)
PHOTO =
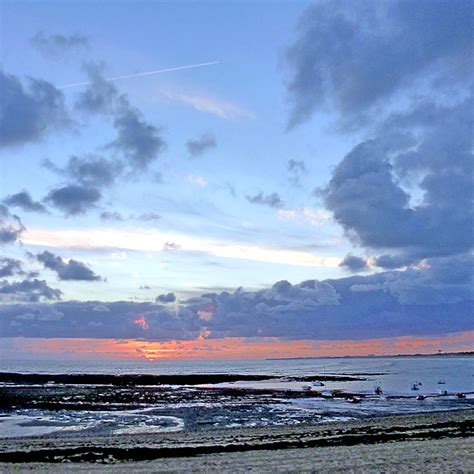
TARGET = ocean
(286,394)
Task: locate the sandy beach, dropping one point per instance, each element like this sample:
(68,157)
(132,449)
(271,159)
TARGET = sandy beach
(447,455)
(431,442)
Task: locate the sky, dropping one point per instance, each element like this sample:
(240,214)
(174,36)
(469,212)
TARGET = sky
(236,179)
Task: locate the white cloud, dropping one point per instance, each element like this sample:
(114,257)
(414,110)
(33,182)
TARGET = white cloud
(197,180)
(118,256)
(211,105)
(155,240)
(312,216)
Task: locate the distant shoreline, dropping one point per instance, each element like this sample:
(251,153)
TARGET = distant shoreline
(373,356)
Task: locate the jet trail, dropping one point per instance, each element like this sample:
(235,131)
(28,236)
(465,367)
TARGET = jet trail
(149,73)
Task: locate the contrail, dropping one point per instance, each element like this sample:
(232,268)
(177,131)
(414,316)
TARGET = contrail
(149,73)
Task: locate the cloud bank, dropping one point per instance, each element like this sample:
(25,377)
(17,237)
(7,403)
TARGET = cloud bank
(391,304)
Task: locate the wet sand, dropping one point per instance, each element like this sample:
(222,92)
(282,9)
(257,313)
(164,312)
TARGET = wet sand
(433,442)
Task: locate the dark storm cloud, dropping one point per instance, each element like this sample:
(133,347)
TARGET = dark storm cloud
(431,136)
(74,199)
(11,226)
(27,291)
(171,246)
(435,299)
(166,298)
(24,201)
(50,166)
(270,200)
(440,281)
(231,189)
(138,141)
(366,200)
(200,145)
(370,192)
(100,95)
(111,216)
(72,270)
(406,192)
(27,114)
(353,55)
(93,170)
(58,46)
(296,165)
(148,217)
(331,310)
(9,234)
(100,320)
(10,267)
(117,217)
(390,262)
(296,168)
(354,264)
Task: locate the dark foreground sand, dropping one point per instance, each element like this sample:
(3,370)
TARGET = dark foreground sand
(433,456)
(436,442)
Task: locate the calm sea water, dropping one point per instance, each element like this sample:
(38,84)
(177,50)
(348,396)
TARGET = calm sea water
(197,408)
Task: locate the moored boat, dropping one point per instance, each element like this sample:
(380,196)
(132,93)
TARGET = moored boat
(327,394)
(354,399)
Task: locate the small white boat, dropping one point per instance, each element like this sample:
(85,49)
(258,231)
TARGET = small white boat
(354,399)
(327,394)
(441,382)
(317,383)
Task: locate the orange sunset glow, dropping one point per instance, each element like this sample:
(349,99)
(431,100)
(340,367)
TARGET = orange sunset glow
(141,322)
(231,348)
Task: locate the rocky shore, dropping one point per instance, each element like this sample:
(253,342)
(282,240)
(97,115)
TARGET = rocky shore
(146,379)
